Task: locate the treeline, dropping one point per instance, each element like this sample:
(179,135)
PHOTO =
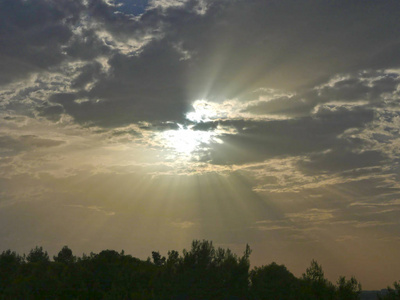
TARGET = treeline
(203,272)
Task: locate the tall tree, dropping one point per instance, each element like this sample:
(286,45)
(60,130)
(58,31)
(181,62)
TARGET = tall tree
(348,289)
(273,282)
(65,256)
(37,255)
(393,293)
(315,285)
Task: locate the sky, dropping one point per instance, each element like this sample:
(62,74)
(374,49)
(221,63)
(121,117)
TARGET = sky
(143,125)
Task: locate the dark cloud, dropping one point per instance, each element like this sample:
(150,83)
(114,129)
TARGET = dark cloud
(51,112)
(147,87)
(33,33)
(292,44)
(86,45)
(258,141)
(243,45)
(9,144)
(229,51)
(88,74)
(180,55)
(340,160)
(129,132)
(369,87)
(119,21)
(205,126)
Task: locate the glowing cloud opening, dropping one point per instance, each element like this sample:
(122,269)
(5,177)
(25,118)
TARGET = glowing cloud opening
(204,111)
(186,140)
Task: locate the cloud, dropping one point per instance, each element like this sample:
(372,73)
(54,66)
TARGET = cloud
(312,215)
(33,33)
(92,208)
(268,225)
(139,88)
(293,44)
(340,160)
(257,141)
(372,88)
(51,112)
(374,224)
(183,224)
(156,62)
(26,142)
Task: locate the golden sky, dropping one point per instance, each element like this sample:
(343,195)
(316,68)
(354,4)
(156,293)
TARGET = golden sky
(142,125)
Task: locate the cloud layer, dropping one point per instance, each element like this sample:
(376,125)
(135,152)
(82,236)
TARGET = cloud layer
(257,121)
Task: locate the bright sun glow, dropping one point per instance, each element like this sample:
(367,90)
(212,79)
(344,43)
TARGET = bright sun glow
(187,140)
(204,111)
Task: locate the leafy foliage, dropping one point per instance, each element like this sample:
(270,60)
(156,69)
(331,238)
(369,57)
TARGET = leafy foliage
(348,289)
(315,285)
(65,256)
(393,293)
(273,282)
(202,272)
(37,255)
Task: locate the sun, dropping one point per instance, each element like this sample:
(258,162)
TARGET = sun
(185,140)
(204,111)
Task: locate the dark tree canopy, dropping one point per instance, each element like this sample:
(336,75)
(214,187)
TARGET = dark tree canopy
(201,273)
(65,256)
(37,255)
(348,289)
(273,282)
(393,293)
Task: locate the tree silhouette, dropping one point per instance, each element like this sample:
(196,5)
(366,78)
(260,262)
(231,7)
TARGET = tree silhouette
(201,273)
(157,259)
(315,285)
(65,256)
(9,265)
(392,293)
(348,289)
(37,255)
(314,273)
(273,282)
